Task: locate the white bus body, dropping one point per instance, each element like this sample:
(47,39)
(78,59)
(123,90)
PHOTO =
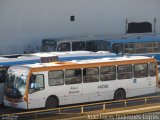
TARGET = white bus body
(62,83)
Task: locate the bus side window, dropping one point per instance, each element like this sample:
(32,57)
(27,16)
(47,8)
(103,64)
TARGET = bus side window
(124,72)
(107,73)
(152,69)
(117,48)
(139,48)
(32,81)
(56,77)
(73,76)
(92,46)
(90,75)
(78,46)
(152,47)
(129,48)
(97,45)
(65,46)
(140,70)
(48,45)
(36,83)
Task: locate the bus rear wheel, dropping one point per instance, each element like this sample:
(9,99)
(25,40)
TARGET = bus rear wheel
(120,94)
(51,102)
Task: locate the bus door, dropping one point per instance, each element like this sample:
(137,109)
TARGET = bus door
(152,74)
(141,78)
(91,84)
(36,95)
(117,48)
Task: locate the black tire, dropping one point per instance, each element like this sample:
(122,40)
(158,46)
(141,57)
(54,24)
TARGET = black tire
(51,102)
(120,94)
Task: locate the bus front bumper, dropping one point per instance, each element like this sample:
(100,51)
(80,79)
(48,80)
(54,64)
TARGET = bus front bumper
(21,104)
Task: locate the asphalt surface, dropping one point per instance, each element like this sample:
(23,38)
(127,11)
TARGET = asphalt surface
(9,112)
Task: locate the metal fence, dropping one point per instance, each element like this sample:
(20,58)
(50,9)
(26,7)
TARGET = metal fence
(82,108)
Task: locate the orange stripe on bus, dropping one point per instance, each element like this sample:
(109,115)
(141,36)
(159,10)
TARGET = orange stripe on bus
(70,65)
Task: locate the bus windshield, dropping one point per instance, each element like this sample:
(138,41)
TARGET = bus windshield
(48,45)
(97,45)
(16,84)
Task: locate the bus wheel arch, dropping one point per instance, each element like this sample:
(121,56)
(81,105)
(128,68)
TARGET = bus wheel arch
(52,102)
(120,94)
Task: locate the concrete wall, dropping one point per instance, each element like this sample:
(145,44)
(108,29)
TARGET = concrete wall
(23,23)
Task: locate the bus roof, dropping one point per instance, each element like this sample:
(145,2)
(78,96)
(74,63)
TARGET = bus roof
(91,61)
(72,53)
(113,39)
(18,61)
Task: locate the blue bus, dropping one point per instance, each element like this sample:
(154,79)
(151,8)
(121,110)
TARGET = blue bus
(130,44)
(91,43)
(146,45)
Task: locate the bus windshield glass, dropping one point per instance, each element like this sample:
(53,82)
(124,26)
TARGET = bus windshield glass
(15,83)
(48,45)
(97,45)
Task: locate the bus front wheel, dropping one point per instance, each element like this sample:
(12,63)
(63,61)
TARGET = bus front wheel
(120,94)
(51,102)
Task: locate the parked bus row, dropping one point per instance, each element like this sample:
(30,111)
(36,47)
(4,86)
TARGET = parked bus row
(60,83)
(146,45)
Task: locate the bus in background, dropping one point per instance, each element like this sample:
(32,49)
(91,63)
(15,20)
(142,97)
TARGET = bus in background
(6,62)
(74,44)
(147,45)
(60,83)
(130,44)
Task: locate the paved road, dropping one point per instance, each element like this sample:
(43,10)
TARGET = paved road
(5,111)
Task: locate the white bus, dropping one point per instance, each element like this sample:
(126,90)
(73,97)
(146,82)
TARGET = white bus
(10,60)
(60,83)
(75,44)
(7,61)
